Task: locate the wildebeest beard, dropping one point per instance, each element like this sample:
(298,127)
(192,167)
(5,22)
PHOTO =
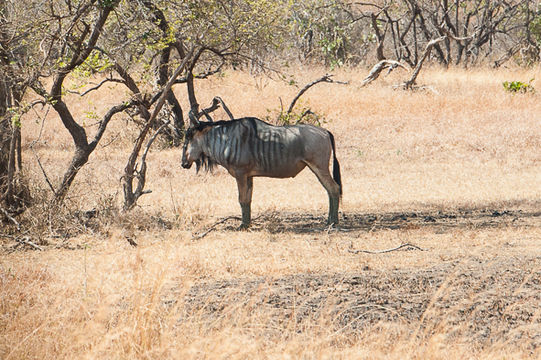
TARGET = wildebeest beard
(204,162)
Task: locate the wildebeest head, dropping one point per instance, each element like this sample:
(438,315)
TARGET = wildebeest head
(190,153)
(192,150)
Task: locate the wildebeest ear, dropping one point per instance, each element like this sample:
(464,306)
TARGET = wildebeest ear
(193,119)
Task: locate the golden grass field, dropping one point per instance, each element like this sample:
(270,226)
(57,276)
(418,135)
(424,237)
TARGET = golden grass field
(455,172)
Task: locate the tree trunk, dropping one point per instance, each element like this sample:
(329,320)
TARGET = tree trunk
(5,142)
(5,128)
(80,158)
(379,38)
(130,171)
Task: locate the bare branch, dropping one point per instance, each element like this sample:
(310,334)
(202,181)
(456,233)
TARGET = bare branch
(226,109)
(204,233)
(451,36)
(105,121)
(151,140)
(325,78)
(508,55)
(43,171)
(130,172)
(202,76)
(216,102)
(409,84)
(407,245)
(98,86)
(213,226)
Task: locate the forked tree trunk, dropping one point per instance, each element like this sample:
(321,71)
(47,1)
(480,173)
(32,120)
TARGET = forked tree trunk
(130,171)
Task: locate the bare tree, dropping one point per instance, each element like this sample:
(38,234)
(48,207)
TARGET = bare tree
(12,87)
(479,29)
(75,46)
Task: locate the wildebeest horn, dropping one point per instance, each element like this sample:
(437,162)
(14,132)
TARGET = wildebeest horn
(193,118)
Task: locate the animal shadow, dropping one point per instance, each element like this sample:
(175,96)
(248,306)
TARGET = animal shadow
(440,221)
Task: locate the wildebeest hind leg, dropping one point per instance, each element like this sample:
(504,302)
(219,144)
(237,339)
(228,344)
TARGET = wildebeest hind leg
(333,189)
(245,186)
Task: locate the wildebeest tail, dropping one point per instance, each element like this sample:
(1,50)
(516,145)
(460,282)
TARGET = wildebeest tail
(335,165)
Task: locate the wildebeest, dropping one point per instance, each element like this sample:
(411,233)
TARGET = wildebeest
(249,147)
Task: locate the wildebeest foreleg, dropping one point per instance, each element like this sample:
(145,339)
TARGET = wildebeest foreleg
(245,185)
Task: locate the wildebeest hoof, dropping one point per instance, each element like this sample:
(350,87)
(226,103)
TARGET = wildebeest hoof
(243,227)
(332,224)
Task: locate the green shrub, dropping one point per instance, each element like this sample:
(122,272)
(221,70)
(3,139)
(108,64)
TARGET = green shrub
(519,86)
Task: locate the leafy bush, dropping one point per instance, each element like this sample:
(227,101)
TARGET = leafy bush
(519,86)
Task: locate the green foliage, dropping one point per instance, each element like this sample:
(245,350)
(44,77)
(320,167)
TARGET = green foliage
(519,86)
(234,24)
(329,30)
(15,114)
(95,63)
(333,46)
(306,116)
(107,3)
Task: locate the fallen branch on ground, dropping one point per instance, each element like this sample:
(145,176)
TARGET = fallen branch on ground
(10,218)
(26,240)
(213,227)
(204,233)
(378,68)
(407,245)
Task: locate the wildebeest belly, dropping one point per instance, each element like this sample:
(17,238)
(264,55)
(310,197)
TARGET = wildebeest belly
(276,153)
(284,171)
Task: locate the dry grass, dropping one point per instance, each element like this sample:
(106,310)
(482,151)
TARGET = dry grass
(422,168)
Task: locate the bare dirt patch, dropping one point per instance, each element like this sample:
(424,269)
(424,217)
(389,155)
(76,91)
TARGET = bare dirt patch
(479,299)
(476,301)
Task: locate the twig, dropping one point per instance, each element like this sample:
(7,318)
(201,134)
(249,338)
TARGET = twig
(510,53)
(151,140)
(204,233)
(34,142)
(97,86)
(43,170)
(131,241)
(213,227)
(10,218)
(456,38)
(414,247)
(305,113)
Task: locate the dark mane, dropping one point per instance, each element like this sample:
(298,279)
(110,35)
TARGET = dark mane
(205,124)
(204,161)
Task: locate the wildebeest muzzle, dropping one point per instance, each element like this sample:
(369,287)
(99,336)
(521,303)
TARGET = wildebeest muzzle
(186,164)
